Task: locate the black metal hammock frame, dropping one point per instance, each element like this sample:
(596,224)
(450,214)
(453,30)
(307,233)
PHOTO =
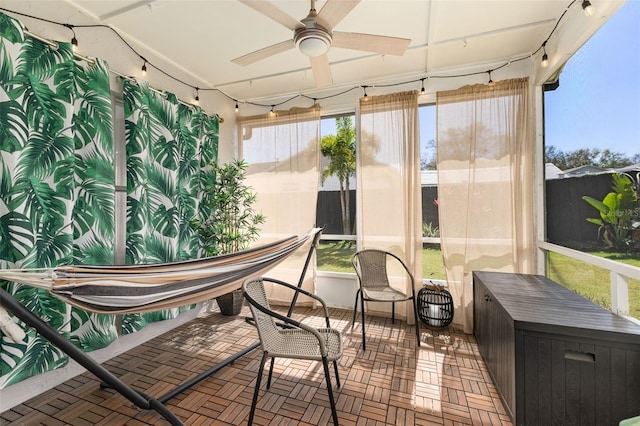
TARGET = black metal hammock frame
(143,288)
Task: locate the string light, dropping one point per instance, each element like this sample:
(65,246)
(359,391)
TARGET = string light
(74,40)
(587,8)
(197,98)
(237,107)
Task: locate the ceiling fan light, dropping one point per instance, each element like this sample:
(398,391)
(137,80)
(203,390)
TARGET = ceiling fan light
(313,46)
(312,41)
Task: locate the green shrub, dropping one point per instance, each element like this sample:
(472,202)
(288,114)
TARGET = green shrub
(619,214)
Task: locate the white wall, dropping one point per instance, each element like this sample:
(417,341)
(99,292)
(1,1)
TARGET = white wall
(337,289)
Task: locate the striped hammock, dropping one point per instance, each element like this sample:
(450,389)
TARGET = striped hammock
(151,287)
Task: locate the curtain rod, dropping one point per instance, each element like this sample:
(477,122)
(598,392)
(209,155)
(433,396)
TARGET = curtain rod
(54,45)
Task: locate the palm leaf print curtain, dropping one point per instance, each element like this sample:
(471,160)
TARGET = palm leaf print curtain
(56,186)
(168,145)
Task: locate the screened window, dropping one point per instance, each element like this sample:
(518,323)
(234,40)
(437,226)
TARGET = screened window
(338,244)
(592,143)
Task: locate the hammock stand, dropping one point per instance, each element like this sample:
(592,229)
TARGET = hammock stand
(138,398)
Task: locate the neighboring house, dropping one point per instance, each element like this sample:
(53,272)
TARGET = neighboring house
(551,171)
(583,170)
(632,169)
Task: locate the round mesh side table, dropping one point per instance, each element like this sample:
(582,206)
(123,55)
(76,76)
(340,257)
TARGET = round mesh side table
(435,306)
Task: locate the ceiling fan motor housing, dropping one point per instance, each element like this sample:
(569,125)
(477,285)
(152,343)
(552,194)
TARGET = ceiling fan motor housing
(313,39)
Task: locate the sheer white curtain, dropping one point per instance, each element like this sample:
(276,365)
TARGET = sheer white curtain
(388,181)
(282,151)
(485,185)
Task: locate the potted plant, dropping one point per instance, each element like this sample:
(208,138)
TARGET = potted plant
(228,222)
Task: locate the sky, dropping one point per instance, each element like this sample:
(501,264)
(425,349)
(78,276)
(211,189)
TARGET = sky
(598,102)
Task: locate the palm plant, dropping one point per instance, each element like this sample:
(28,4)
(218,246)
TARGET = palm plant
(341,150)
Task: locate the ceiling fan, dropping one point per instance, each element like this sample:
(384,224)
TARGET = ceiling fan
(313,36)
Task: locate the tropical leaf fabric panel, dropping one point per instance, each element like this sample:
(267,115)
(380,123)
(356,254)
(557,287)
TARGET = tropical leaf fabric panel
(37,179)
(94,195)
(208,131)
(41,178)
(93,214)
(167,145)
(37,158)
(151,186)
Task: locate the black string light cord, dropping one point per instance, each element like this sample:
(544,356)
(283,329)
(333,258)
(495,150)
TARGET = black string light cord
(314,99)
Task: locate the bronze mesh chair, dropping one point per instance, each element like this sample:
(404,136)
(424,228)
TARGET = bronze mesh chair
(373,279)
(291,338)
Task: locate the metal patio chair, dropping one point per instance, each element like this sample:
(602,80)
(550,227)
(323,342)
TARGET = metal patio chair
(373,285)
(289,338)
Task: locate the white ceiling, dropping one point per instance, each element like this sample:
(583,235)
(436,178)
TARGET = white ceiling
(196,40)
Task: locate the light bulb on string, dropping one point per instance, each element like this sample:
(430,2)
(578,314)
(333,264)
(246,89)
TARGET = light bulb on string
(422,89)
(197,98)
(587,8)
(74,40)
(545,57)
(144,68)
(490,82)
(237,107)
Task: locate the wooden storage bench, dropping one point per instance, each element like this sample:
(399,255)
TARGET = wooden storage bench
(555,357)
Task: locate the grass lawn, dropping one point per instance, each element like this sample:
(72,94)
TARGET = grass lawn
(587,280)
(593,282)
(335,256)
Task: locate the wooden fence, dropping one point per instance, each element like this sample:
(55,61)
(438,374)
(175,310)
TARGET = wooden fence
(328,210)
(566,211)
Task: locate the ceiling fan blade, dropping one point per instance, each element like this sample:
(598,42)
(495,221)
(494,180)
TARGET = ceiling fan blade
(269,10)
(371,43)
(321,70)
(258,55)
(334,11)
